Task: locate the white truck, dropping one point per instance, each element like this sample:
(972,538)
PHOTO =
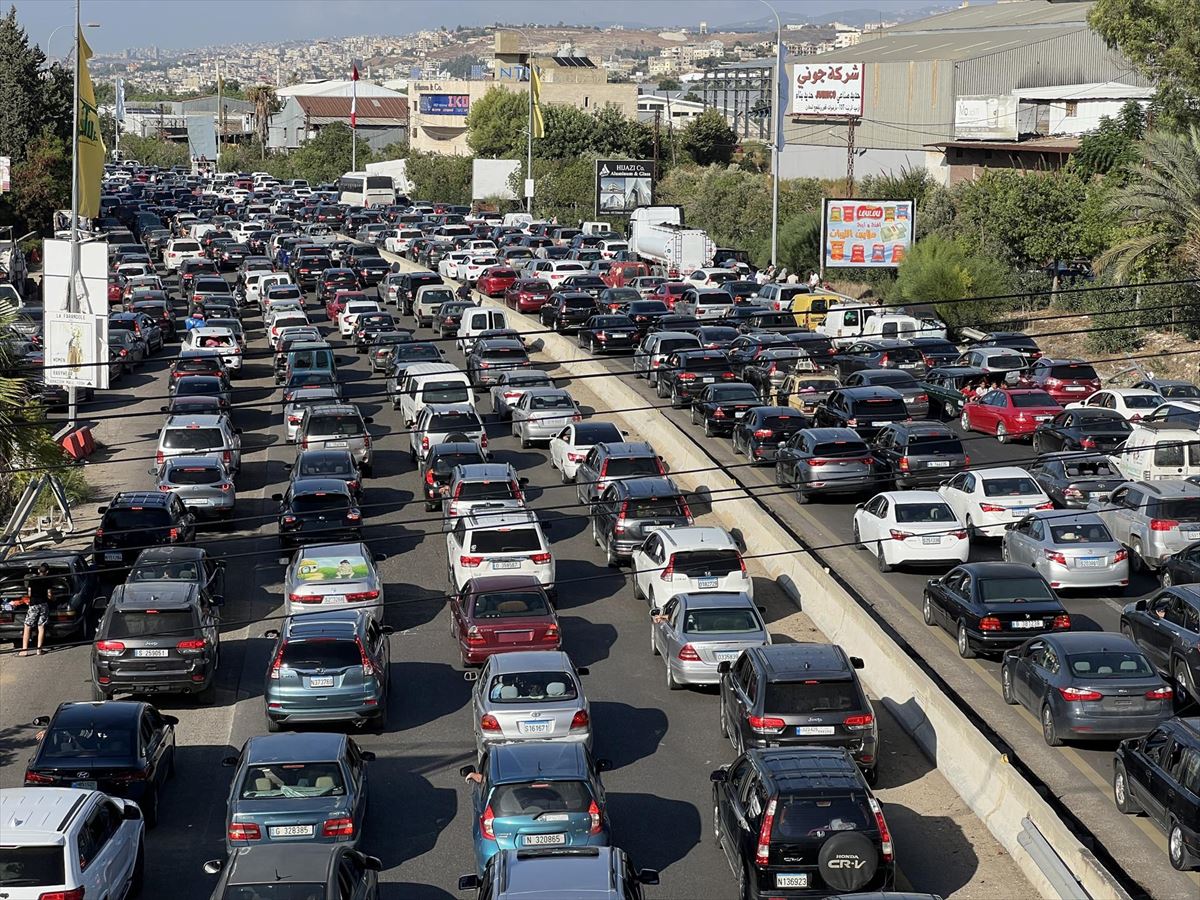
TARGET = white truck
(658,236)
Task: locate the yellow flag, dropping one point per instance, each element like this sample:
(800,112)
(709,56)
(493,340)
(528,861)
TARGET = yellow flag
(539,124)
(89,145)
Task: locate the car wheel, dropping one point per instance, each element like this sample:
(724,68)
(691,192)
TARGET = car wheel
(801,497)
(693,416)
(1122,797)
(660,389)
(562,476)
(676,400)
(138,878)
(708,429)
(1049,732)
(672,684)
(1136,563)
(273,726)
(653,646)
(965,650)
(973,533)
(717,824)
(1183,680)
(872,775)
(881,560)
(854,529)
(1165,578)
(525,443)
(1006,688)
(637,590)
(1177,852)
(965,421)
(98,693)
(610,556)
(721,720)
(1001,433)
(744,884)
(150,808)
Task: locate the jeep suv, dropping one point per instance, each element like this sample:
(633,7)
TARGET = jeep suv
(799,694)
(135,520)
(1154,519)
(628,510)
(801,822)
(607,462)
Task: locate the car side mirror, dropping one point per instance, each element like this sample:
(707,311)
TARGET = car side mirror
(369,420)
(387,629)
(278,498)
(102,509)
(604,765)
(583,670)
(370,863)
(857,662)
(724,666)
(647,876)
(272,633)
(170,720)
(718,776)
(470,675)
(1141,606)
(40,722)
(467,770)
(229,762)
(763,610)
(163,408)
(468,882)
(523,481)
(367,755)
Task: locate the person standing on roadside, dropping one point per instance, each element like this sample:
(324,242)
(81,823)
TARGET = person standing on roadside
(37,614)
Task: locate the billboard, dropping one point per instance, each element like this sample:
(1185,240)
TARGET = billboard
(622,185)
(984,117)
(76,349)
(490,178)
(445,104)
(872,234)
(56,274)
(5,174)
(830,90)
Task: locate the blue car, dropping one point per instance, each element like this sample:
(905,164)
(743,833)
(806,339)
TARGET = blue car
(297,788)
(536,794)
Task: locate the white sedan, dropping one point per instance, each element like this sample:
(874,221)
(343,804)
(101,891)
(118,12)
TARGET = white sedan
(470,270)
(570,446)
(910,527)
(990,500)
(448,264)
(349,315)
(1130,403)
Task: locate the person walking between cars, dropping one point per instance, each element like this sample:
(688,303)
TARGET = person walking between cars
(37,613)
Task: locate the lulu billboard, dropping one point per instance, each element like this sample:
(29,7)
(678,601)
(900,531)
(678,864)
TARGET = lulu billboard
(870,234)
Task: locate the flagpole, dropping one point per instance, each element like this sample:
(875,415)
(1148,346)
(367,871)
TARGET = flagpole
(529,137)
(72,291)
(776,125)
(117,123)
(220,118)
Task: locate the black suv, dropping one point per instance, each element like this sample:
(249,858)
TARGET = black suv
(801,822)
(627,510)
(1166,627)
(437,468)
(1159,775)
(685,373)
(880,354)
(157,637)
(567,310)
(918,454)
(135,520)
(865,409)
(409,283)
(799,694)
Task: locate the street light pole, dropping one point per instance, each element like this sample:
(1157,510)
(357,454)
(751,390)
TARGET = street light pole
(72,291)
(529,124)
(775,126)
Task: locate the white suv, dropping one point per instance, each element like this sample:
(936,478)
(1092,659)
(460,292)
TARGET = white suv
(66,842)
(178,250)
(492,543)
(349,315)
(692,559)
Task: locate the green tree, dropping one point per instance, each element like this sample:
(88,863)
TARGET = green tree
(327,157)
(496,124)
(669,83)
(940,268)
(41,184)
(1114,143)
(1162,40)
(570,133)
(23,93)
(1160,207)
(446,178)
(708,138)
(800,242)
(154,151)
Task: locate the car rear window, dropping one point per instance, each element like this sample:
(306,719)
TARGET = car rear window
(1089,533)
(32,867)
(505,353)
(444,392)
(1013,587)
(540,797)
(1109,664)
(551,401)
(445,464)
(1184,509)
(1005,361)
(912,513)
(841,449)
(654,508)
(1034,399)
(339,425)
(485,490)
(453,421)
(192,438)
(128,518)
(880,407)
(416,353)
(521,687)
(151,623)
(1010,487)
(289,781)
(791,698)
(622,466)
(195,475)
(1074,372)
(1098,468)
(799,820)
(511,604)
(320,502)
(920,444)
(720,621)
(505,540)
(579,303)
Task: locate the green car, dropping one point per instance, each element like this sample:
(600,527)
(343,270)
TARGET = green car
(945,388)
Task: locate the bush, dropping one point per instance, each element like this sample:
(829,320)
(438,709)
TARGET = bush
(939,269)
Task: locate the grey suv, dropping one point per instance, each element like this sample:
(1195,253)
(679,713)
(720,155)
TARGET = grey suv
(1154,519)
(610,461)
(628,510)
(338,426)
(598,873)
(478,487)
(201,482)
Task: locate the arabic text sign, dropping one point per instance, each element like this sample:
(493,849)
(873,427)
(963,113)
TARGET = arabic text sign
(870,234)
(445,104)
(828,89)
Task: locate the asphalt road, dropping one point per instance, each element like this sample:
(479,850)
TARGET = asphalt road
(662,746)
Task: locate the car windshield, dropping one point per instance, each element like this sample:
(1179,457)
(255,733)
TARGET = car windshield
(88,741)
(1109,664)
(1032,400)
(445,392)
(720,621)
(167,570)
(194,474)
(1017,486)
(505,540)
(522,687)
(540,797)
(131,623)
(803,820)
(914,513)
(511,604)
(1013,587)
(280,781)
(192,438)
(1094,533)
(790,698)
(323,501)
(32,866)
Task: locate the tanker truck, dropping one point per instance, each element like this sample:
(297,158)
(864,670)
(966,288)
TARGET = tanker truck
(658,236)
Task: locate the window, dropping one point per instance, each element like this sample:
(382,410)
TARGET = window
(1072,108)
(795,698)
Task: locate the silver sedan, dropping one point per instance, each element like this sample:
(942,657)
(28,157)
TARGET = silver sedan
(511,387)
(333,576)
(695,633)
(1069,551)
(541,413)
(529,695)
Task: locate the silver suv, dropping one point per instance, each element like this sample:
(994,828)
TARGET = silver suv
(603,873)
(200,435)
(338,426)
(479,487)
(1154,519)
(201,482)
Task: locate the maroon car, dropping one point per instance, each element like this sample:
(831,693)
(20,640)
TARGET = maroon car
(1066,380)
(500,614)
(527,295)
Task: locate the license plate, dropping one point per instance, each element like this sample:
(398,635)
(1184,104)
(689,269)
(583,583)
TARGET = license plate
(543,840)
(622,336)
(814,730)
(84,785)
(320,681)
(1089,562)
(340,445)
(707,380)
(200,501)
(113,557)
(1018,510)
(931,539)
(708,583)
(940,464)
(535,727)
(1031,623)
(278,831)
(334,598)
(739,415)
(153,654)
(1043,418)
(1192,535)
(727,655)
(791,881)
(1074,389)
(506,564)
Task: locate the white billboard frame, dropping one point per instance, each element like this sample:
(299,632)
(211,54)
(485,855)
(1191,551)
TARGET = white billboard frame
(828,90)
(76,349)
(882,229)
(92,297)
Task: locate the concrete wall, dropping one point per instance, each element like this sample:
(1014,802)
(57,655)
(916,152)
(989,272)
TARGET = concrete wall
(808,161)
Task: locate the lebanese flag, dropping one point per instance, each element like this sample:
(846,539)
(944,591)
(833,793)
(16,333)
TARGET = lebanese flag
(354,95)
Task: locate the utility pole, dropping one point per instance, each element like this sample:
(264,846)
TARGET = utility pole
(72,284)
(657,117)
(529,132)
(220,117)
(850,126)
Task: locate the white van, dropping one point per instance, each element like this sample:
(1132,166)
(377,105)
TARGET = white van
(844,322)
(178,250)
(1158,451)
(518,220)
(899,326)
(434,382)
(476,319)
(590,228)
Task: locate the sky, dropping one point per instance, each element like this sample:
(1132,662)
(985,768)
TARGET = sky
(184,23)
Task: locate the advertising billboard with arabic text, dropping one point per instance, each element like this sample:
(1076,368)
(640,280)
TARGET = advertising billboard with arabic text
(832,90)
(870,234)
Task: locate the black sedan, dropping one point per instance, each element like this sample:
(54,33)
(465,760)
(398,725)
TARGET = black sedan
(719,406)
(369,325)
(936,351)
(327,464)
(1071,480)
(745,349)
(645,313)
(232,256)
(567,311)
(617,299)
(317,509)
(371,270)
(763,429)
(1085,685)
(1081,429)
(121,747)
(992,606)
(602,334)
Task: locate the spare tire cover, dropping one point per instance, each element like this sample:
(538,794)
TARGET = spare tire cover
(848,861)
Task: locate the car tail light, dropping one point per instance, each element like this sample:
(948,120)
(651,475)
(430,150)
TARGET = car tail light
(277,662)
(765,724)
(883,360)
(990,508)
(159,458)
(687,376)
(485,821)
(1163,693)
(859,722)
(898,535)
(173,534)
(1062,621)
(1120,556)
(1047,505)
(1055,557)
(688,653)
(719,413)
(191,645)
(289,520)
(244,831)
(903,464)
(580,720)
(342,826)
(475,636)
(429,477)
(763,433)
(425,443)
(353,515)
(1077,695)
(164,489)
(1087,444)
(597,818)
(961,535)
(989,623)
(489,723)
(619,527)
(483,440)
(35,778)
(226,487)
(1163,524)
(470,562)
(576,457)
(540,559)
(668,571)
(762,853)
(885,836)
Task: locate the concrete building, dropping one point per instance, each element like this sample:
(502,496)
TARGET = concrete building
(381,120)
(334,87)
(915,74)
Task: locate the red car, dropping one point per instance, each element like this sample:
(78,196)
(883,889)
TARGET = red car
(500,614)
(1009,413)
(668,292)
(1066,380)
(527,295)
(495,281)
(335,304)
(115,292)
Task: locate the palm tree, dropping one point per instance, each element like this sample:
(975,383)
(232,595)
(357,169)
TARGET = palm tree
(265,104)
(1160,205)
